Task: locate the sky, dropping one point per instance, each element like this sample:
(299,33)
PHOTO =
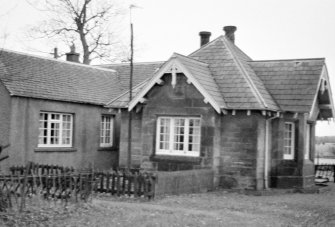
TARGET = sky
(266,29)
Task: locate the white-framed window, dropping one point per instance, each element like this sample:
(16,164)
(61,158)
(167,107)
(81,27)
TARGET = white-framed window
(55,129)
(106,130)
(308,141)
(178,136)
(289,143)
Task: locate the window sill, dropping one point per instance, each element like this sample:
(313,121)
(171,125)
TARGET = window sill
(112,148)
(308,162)
(55,149)
(176,158)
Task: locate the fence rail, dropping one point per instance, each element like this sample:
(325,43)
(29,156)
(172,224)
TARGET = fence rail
(125,183)
(326,172)
(41,169)
(64,183)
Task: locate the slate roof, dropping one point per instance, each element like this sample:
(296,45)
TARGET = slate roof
(199,71)
(238,83)
(292,83)
(37,77)
(224,72)
(123,100)
(203,75)
(141,72)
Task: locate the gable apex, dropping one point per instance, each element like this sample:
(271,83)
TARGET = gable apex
(181,64)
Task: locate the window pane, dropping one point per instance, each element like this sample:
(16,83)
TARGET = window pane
(185,133)
(55,129)
(106,130)
(179,131)
(289,140)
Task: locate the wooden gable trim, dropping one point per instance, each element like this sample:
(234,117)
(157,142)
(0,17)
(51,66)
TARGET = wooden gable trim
(175,63)
(315,105)
(198,86)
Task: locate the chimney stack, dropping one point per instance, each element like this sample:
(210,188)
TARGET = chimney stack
(230,30)
(204,38)
(55,52)
(72,55)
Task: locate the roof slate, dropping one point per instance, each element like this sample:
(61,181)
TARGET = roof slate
(122,101)
(292,83)
(200,71)
(226,74)
(141,72)
(36,77)
(239,85)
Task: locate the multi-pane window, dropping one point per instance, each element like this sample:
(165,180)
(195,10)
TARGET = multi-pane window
(106,131)
(178,136)
(55,130)
(289,134)
(308,141)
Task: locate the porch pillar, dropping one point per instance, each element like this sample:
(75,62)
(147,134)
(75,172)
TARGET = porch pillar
(302,125)
(305,166)
(312,145)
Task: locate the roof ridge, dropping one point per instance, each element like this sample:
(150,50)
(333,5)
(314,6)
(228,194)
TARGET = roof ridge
(293,59)
(56,60)
(246,75)
(192,59)
(206,45)
(239,49)
(127,63)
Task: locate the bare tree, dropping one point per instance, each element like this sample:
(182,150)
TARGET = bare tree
(84,22)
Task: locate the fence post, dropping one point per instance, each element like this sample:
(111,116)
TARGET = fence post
(23,188)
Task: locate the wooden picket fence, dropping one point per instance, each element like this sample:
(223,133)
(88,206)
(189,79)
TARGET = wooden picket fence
(65,184)
(325,171)
(39,169)
(123,182)
(64,187)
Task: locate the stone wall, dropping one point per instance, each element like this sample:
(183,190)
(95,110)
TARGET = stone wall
(233,145)
(178,182)
(242,151)
(163,100)
(299,172)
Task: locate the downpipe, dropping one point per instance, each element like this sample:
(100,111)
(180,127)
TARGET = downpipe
(267,151)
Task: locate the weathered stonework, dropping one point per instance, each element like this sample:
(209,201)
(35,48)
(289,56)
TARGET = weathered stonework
(230,144)
(239,166)
(163,100)
(299,172)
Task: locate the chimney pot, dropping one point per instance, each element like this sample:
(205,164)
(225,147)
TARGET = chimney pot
(204,37)
(230,32)
(72,55)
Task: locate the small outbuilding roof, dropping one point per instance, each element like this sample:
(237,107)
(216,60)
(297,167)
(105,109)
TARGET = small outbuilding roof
(36,77)
(141,71)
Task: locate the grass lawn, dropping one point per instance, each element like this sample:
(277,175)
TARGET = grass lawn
(219,208)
